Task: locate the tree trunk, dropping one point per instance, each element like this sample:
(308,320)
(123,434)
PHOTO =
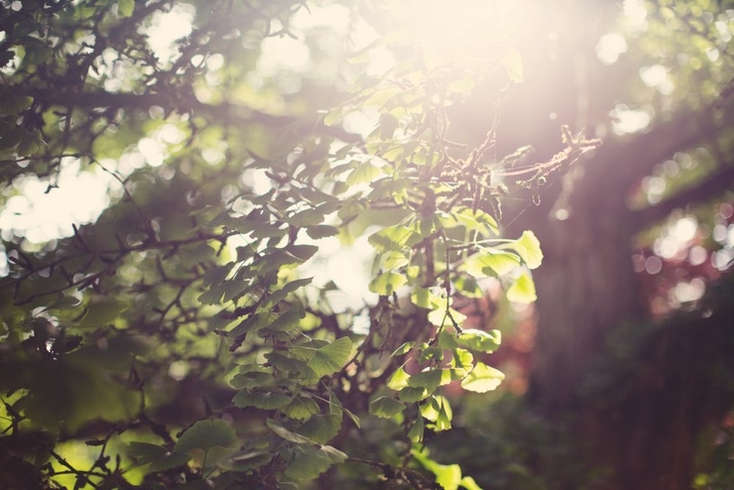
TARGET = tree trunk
(642,418)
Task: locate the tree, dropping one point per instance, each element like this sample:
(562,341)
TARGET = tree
(647,385)
(180,340)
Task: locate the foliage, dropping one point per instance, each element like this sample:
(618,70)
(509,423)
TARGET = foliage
(181,339)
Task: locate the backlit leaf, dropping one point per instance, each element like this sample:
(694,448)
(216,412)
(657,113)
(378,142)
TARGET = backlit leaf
(528,247)
(125,8)
(512,61)
(331,358)
(396,237)
(490,262)
(523,289)
(363,174)
(479,340)
(387,283)
(386,407)
(398,380)
(482,379)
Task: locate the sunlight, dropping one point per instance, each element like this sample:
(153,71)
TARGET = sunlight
(463,30)
(167,28)
(39,213)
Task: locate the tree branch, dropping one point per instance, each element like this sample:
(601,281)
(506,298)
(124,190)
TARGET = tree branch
(224,112)
(715,184)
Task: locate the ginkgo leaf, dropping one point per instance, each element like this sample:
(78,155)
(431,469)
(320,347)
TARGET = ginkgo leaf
(490,262)
(425,298)
(321,428)
(416,432)
(398,380)
(412,395)
(125,8)
(386,407)
(522,290)
(363,174)
(512,61)
(528,247)
(479,340)
(430,380)
(159,457)
(286,434)
(482,379)
(330,358)
(264,401)
(396,237)
(301,408)
(310,462)
(387,283)
(206,434)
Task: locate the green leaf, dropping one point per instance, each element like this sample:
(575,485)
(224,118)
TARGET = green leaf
(512,61)
(398,380)
(321,231)
(445,415)
(404,348)
(102,311)
(301,408)
(288,320)
(425,298)
(528,247)
(479,340)
(331,358)
(245,460)
(252,322)
(393,260)
(490,262)
(310,462)
(396,237)
(13,104)
(303,252)
(412,395)
(482,379)
(159,457)
(363,174)
(430,380)
(448,476)
(469,483)
(307,217)
(286,434)
(279,295)
(447,340)
(462,362)
(264,401)
(523,289)
(125,8)
(386,407)
(438,410)
(471,220)
(206,434)
(336,408)
(387,283)
(416,432)
(321,428)
(251,379)
(440,318)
